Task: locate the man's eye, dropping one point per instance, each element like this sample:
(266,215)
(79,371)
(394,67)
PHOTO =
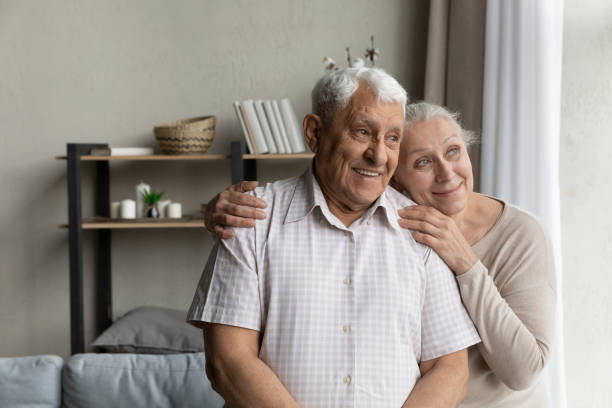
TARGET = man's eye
(453,151)
(394,138)
(362,131)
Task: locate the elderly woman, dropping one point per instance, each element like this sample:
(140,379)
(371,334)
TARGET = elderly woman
(499,253)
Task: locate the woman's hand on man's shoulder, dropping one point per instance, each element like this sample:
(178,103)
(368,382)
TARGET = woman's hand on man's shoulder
(233,208)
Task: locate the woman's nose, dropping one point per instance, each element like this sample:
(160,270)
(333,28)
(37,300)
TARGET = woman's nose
(444,171)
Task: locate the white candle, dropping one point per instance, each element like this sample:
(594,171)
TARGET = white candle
(162,206)
(174,210)
(128,209)
(140,189)
(115,209)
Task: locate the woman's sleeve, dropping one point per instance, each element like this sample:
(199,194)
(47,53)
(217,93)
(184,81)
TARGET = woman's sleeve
(515,321)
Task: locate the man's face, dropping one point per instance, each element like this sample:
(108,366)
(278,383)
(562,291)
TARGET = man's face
(356,154)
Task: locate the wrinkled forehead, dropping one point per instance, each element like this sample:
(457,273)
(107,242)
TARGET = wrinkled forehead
(365,104)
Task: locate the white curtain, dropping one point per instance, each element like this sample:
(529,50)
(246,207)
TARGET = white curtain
(521,119)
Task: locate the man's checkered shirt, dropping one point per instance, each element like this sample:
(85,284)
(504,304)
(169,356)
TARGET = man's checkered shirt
(346,314)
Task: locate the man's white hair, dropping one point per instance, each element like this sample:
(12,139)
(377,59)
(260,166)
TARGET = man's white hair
(421,111)
(333,90)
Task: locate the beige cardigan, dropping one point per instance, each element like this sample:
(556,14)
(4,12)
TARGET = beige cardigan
(510,295)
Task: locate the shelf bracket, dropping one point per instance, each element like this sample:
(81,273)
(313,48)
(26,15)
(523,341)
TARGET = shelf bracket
(242,169)
(74,151)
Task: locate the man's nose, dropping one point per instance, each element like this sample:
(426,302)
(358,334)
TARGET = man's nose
(376,152)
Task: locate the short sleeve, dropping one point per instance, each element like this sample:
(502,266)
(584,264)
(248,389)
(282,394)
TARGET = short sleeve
(446,326)
(228,291)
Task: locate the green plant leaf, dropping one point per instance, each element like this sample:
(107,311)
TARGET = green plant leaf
(151,197)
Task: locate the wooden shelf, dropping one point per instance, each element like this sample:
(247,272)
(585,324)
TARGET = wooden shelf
(279,156)
(167,157)
(102,227)
(94,223)
(154,157)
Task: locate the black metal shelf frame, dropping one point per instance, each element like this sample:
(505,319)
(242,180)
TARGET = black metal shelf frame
(242,169)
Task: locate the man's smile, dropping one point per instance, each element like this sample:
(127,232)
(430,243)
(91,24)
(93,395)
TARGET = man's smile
(367,173)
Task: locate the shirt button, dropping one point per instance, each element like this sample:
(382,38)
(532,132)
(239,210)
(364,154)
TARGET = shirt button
(347,281)
(348,234)
(347,379)
(346,328)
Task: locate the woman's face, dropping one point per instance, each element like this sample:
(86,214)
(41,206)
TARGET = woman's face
(434,166)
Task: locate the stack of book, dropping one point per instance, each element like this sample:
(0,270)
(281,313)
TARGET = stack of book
(270,126)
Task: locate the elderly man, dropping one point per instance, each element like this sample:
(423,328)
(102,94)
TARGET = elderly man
(327,302)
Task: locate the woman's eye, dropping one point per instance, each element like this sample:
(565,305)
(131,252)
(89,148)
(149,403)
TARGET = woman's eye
(422,163)
(453,151)
(362,131)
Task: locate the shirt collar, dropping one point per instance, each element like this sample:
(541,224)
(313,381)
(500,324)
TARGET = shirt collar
(387,206)
(305,197)
(308,194)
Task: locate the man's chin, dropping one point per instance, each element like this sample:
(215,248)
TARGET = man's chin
(361,201)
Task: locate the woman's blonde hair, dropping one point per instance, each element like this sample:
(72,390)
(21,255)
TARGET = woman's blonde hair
(421,111)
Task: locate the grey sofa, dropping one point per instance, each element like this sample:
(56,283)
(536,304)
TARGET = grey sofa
(106,380)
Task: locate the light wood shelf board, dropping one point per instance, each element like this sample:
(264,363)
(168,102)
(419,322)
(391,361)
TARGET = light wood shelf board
(279,156)
(164,157)
(141,223)
(155,157)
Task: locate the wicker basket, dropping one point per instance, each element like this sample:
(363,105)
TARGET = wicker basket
(189,136)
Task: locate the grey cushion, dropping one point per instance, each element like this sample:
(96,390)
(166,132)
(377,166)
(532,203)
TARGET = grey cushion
(151,330)
(33,381)
(132,380)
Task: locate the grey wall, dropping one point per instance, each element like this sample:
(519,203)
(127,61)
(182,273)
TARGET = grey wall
(586,197)
(88,71)
(93,71)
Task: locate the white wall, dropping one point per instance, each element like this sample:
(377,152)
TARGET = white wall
(108,71)
(586,200)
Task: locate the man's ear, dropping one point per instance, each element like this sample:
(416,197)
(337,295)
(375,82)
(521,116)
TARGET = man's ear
(312,130)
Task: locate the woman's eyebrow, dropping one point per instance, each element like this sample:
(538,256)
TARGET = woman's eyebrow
(450,137)
(422,149)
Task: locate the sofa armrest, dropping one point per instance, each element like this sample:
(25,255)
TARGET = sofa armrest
(33,381)
(137,380)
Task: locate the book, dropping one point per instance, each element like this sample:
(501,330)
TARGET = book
(296,138)
(281,126)
(245,132)
(249,130)
(121,151)
(253,124)
(267,105)
(265,127)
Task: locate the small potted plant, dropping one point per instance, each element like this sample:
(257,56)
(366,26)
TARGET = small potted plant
(151,197)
